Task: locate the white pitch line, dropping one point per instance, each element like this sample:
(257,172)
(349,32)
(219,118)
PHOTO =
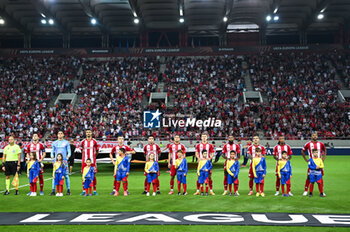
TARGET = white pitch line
(21,186)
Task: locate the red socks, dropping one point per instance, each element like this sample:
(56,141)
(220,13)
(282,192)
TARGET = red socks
(225,183)
(307,183)
(206,188)
(117,187)
(211,185)
(229,187)
(125,186)
(178,186)
(288,188)
(114,184)
(146,183)
(320,186)
(251,183)
(311,187)
(278,183)
(94,183)
(172,184)
(59,188)
(261,185)
(198,185)
(235,187)
(157,183)
(88,190)
(185,187)
(41,182)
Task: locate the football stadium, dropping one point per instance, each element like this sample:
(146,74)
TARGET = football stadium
(175,115)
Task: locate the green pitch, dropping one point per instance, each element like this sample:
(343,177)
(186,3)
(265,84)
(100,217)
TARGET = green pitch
(336,181)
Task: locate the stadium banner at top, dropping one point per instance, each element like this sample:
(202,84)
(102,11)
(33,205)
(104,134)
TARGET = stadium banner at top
(165,51)
(55,51)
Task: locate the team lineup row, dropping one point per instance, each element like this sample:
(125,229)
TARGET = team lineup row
(61,152)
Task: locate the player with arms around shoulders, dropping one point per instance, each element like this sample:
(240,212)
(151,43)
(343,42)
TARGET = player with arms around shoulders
(280,148)
(209,148)
(321,152)
(173,150)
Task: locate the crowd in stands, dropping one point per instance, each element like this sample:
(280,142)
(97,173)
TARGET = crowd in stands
(342,63)
(209,87)
(111,98)
(299,90)
(27,86)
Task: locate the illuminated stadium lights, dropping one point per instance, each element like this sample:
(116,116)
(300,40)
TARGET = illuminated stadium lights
(225,19)
(136,20)
(42,15)
(51,22)
(43,21)
(320,16)
(181,10)
(2,21)
(93,21)
(268,18)
(276,18)
(275,11)
(181,20)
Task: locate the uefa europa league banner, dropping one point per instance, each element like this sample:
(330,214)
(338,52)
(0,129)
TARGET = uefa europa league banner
(166,51)
(175,218)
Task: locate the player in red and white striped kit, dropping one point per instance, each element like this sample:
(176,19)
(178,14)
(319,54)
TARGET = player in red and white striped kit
(277,154)
(322,153)
(228,147)
(89,149)
(39,149)
(251,153)
(204,145)
(115,152)
(173,148)
(150,148)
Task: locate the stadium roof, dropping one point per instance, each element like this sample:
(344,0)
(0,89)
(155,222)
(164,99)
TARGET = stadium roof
(201,17)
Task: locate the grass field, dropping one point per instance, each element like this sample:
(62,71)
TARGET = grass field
(336,180)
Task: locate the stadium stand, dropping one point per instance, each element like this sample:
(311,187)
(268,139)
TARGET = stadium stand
(299,90)
(28,85)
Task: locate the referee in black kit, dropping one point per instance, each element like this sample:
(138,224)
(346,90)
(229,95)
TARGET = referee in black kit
(11,162)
